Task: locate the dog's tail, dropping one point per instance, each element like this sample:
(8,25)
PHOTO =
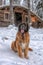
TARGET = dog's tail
(30,49)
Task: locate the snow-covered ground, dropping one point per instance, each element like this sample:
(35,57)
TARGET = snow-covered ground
(8,57)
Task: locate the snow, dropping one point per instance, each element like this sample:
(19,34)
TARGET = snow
(8,57)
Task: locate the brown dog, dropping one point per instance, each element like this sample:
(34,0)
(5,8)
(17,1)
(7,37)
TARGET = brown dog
(21,44)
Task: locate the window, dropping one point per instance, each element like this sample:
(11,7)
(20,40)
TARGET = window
(6,16)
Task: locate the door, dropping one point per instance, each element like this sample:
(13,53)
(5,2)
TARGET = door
(18,18)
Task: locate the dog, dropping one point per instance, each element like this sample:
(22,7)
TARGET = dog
(21,44)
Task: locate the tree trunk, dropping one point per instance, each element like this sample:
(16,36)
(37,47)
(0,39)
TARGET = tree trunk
(28,11)
(11,13)
(42,9)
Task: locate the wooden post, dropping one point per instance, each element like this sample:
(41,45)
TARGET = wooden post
(11,13)
(23,17)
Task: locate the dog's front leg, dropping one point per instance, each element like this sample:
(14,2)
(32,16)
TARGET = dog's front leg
(26,53)
(20,51)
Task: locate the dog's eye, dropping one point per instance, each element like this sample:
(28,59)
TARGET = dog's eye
(22,27)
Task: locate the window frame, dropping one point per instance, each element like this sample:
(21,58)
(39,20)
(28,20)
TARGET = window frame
(6,19)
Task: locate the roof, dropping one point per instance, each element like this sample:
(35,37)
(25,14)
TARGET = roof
(35,15)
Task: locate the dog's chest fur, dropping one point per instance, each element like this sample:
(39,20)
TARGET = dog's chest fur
(23,40)
(23,45)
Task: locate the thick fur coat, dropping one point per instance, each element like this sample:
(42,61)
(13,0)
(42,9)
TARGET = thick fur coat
(21,44)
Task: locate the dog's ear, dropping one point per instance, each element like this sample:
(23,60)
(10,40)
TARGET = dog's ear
(19,27)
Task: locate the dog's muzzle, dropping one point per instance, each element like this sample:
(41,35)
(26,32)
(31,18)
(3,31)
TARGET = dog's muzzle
(22,31)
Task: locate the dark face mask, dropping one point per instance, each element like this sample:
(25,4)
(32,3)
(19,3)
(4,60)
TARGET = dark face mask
(23,28)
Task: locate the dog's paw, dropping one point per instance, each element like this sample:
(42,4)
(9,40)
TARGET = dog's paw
(21,56)
(26,57)
(30,49)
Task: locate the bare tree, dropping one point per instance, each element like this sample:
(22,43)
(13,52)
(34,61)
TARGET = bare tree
(11,13)
(28,11)
(39,8)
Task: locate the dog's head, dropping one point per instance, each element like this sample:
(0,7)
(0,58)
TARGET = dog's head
(23,27)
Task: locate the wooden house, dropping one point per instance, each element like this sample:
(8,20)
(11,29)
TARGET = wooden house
(20,11)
